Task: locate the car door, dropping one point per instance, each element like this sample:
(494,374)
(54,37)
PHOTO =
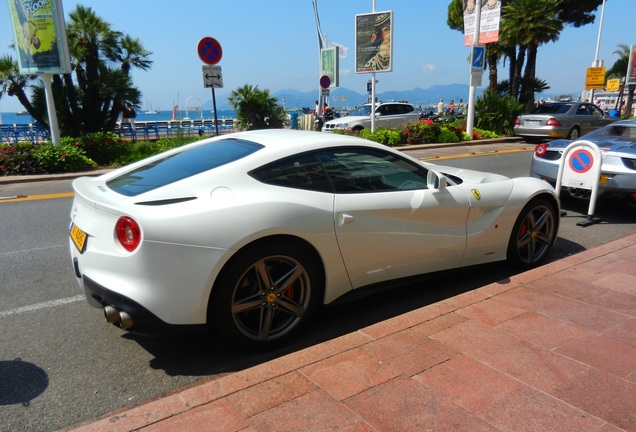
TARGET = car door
(388,224)
(599,118)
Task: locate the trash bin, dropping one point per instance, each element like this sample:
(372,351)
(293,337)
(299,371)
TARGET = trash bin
(294,121)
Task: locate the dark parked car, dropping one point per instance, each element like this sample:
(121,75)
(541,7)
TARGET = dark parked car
(561,120)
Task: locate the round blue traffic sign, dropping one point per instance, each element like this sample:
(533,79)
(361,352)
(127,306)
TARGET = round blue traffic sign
(325,81)
(209,50)
(581,161)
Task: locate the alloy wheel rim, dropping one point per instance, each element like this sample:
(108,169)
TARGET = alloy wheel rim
(271,298)
(536,234)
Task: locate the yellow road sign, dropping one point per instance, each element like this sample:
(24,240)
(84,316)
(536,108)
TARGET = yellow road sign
(613,85)
(595,78)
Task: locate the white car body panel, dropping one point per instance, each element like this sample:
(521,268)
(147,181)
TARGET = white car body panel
(361,239)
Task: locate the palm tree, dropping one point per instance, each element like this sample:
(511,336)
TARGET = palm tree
(619,70)
(256,109)
(100,87)
(528,24)
(12,83)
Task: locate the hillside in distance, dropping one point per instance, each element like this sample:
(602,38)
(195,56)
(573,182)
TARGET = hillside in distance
(346,98)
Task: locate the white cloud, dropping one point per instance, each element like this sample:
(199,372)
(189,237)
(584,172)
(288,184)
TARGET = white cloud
(428,68)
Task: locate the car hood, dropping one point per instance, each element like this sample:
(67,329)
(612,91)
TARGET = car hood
(469,176)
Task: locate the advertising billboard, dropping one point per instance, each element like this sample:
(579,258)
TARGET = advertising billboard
(631,69)
(40,36)
(488,22)
(374,50)
(329,64)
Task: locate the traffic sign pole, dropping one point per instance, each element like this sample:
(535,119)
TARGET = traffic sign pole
(210,53)
(470,116)
(581,167)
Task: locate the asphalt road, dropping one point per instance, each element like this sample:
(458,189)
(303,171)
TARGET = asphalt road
(61,364)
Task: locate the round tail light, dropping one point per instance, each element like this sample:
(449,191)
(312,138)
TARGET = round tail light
(540,150)
(128,233)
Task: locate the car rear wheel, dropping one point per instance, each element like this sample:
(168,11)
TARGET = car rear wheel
(266,295)
(534,233)
(574,134)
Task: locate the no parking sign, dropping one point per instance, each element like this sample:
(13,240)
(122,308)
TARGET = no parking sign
(580,168)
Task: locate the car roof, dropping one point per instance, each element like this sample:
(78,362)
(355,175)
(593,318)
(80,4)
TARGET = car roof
(284,139)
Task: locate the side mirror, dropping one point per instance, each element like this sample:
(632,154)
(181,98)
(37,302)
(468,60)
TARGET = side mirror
(435,180)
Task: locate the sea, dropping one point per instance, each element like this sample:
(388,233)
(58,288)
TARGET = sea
(20,118)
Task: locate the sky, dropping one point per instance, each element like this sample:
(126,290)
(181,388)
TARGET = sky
(274,45)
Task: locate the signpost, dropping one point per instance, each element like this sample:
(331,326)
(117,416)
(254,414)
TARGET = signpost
(210,53)
(212,76)
(325,83)
(595,78)
(580,168)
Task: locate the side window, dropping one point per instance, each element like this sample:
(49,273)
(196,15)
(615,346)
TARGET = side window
(596,111)
(298,172)
(583,110)
(383,110)
(355,170)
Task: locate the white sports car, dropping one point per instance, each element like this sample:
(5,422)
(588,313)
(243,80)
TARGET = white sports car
(249,233)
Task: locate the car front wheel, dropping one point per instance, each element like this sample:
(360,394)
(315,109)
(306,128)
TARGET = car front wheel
(534,233)
(266,295)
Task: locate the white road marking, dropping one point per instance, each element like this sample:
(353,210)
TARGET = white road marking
(38,306)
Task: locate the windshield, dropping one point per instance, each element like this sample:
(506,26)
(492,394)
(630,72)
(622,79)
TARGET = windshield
(364,110)
(552,109)
(178,166)
(615,131)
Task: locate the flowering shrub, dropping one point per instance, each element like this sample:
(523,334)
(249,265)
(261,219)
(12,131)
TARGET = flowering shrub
(17,159)
(143,149)
(62,158)
(104,148)
(424,131)
(388,137)
(448,136)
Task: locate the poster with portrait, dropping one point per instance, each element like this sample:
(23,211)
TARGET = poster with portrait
(631,68)
(329,64)
(490,17)
(374,50)
(40,36)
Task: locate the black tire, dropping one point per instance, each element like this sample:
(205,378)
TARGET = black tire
(266,295)
(574,133)
(533,234)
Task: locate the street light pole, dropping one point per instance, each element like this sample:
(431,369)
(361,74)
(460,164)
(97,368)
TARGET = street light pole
(321,45)
(597,62)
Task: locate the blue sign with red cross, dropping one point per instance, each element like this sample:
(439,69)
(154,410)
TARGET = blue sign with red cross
(209,50)
(581,161)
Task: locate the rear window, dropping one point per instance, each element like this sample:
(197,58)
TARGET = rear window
(552,109)
(179,166)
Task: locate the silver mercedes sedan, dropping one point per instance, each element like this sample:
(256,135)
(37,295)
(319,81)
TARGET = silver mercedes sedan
(561,120)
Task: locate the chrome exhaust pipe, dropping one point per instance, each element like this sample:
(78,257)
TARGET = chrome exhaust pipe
(111,314)
(125,320)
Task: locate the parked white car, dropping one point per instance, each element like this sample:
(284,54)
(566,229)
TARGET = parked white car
(248,233)
(387,115)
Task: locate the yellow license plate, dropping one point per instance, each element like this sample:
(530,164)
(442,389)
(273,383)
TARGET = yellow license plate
(78,237)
